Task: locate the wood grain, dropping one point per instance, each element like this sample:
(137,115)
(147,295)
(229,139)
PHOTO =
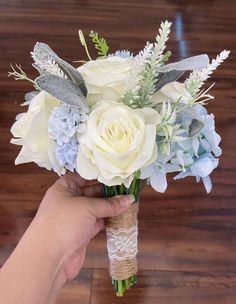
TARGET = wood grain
(187,240)
(169,287)
(78,290)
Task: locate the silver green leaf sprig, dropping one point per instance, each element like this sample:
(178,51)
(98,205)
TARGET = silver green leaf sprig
(59,78)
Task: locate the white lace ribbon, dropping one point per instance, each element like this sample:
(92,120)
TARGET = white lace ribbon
(122,243)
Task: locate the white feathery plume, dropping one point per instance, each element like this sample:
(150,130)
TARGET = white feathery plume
(197,78)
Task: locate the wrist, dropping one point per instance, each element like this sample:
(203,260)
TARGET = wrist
(35,267)
(44,234)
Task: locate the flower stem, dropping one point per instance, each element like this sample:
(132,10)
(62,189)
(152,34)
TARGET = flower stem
(120,286)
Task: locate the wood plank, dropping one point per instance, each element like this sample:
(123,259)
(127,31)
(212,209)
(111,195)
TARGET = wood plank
(78,289)
(169,287)
(186,238)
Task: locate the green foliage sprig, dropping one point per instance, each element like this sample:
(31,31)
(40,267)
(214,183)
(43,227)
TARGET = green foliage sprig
(18,74)
(100,44)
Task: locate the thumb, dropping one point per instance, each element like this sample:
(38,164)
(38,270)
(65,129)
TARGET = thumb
(112,206)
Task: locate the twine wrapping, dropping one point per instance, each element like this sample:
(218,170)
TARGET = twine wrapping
(122,233)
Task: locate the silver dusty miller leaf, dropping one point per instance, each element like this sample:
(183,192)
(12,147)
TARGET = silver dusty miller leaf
(192,63)
(190,112)
(195,127)
(62,89)
(165,78)
(48,62)
(30,95)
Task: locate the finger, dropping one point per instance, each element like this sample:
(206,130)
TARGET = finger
(80,180)
(75,182)
(113,206)
(93,191)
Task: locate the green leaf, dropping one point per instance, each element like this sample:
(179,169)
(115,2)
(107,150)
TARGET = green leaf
(166,56)
(137,174)
(100,44)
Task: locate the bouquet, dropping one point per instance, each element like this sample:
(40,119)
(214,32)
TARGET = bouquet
(126,120)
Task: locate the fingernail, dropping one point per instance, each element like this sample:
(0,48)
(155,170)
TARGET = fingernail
(127,200)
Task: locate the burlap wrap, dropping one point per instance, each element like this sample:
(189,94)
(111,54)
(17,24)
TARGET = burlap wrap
(123,267)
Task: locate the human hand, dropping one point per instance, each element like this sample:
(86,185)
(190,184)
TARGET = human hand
(73,212)
(52,250)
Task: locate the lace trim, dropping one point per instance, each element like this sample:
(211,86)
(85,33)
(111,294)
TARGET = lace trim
(122,243)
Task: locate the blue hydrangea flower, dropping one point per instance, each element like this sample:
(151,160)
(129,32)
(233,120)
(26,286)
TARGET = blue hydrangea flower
(67,153)
(65,124)
(65,121)
(122,54)
(156,173)
(201,169)
(193,156)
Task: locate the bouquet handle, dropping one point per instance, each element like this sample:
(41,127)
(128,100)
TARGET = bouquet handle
(122,244)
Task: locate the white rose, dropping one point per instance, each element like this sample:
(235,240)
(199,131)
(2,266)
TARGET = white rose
(118,141)
(106,79)
(31,131)
(173,91)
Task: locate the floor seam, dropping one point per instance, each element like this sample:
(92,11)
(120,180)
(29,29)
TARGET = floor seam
(91,285)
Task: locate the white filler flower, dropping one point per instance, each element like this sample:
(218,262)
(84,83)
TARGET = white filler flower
(118,142)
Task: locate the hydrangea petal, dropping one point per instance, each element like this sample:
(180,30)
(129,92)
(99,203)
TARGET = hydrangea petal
(207,183)
(158,181)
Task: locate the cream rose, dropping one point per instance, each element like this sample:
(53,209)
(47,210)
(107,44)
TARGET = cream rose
(172,92)
(31,131)
(106,79)
(118,141)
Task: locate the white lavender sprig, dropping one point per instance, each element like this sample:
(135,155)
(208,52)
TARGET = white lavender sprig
(131,95)
(197,78)
(141,84)
(150,72)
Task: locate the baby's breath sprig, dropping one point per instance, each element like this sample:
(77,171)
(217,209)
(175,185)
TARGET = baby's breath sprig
(18,74)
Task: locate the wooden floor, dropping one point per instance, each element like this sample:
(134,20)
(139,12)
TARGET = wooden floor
(187,239)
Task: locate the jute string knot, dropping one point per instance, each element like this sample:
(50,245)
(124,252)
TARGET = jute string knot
(122,233)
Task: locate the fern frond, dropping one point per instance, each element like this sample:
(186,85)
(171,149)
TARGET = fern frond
(197,78)
(100,44)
